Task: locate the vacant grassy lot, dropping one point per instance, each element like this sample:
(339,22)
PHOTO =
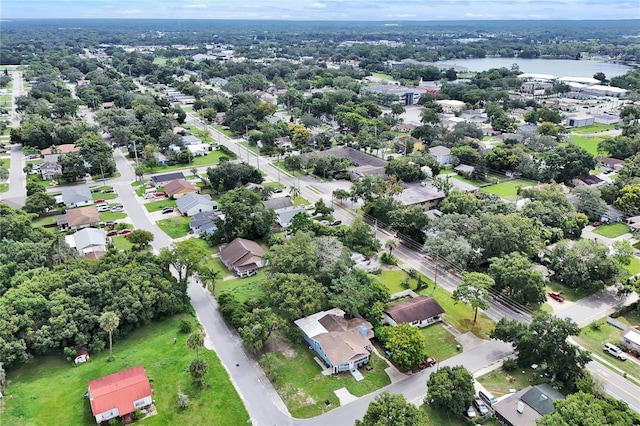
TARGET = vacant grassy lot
(593,340)
(241,288)
(210,159)
(49,391)
(498,382)
(594,128)
(589,143)
(155,206)
(382,76)
(175,227)
(509,189)
(612,230)
(121,242)
(441,343)
(300,383)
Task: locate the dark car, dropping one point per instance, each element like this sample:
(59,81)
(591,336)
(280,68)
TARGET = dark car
(429,362)
(556,296)
(167,210)
(94,190)
(336,223)
(108,191)
(112,233)
(126,232)
(277,191)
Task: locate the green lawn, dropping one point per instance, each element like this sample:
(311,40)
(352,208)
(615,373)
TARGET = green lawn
(570,294)
(612,230)
(121,242)
(49,391)
(210,159)
(437,417)
(241,288)
(155,206)
(508,189)
(42,221)
(4,187)
(225,132)
(160,60)
(588,143)
(441,343)
(382,75)
(498,382)
(101,195)
(38,179)
(458,315)
(634,267)
(304,389)
(175,227)
(469,181)
(593,340)
(594,128)
(106,216)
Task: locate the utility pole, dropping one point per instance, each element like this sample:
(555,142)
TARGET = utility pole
(246,135)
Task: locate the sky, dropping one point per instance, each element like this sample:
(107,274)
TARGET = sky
(323,10)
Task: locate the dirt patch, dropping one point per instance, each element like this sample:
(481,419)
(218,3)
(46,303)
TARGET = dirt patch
(281,345)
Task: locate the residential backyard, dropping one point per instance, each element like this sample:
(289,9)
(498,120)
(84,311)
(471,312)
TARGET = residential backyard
(59,388)
(509,189)
(499,382)
(611,230)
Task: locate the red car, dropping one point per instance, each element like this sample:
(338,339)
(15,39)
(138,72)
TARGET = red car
(556,296)
(429,362)
(125,232)
(160,194)
(112,233)
(99,200)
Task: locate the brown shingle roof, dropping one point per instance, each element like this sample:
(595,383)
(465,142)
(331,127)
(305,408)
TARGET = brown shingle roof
(241,254)
(178,186)
(418,308)
(82,216)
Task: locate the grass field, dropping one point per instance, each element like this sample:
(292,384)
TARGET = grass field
(469,181)
(634,267)
(121,242)
(594,128)
(458,315)
(49,391)
(304,389)
(568,293)
(106,216)
(155,206)
(225,132)
(108,196)
(588,143)
(382,75)
(593,340)
(508,190)
(160,60)
(42,221)
(4,187)
(441,343)
(175,227)
(210,159)
(611,230)
(498,382)
(241,288)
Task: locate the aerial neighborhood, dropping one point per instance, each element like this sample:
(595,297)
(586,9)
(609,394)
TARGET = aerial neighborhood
(336,223)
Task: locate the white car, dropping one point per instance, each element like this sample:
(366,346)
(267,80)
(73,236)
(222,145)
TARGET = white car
(117,209)
(102,209)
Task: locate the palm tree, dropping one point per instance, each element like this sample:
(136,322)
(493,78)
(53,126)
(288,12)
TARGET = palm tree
(391,243)
(294,191)
(109,321)
(208,277)
(196,340)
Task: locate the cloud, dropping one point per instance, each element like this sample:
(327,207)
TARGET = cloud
(317,5)
(195,6)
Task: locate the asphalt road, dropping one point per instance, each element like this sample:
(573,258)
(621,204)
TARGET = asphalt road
(17,192)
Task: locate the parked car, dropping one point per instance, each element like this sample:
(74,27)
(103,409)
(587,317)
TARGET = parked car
(160,194)
(487,397)
(336,223)
(612,349)
(99,201)
(103,209)
(471,412)
(597,223)
(112,233)
(556,296)
(117,209)
(324,222)
(167,210)
(277,191)
(108,191)
(429,362)
(125,232)
(480,406)
(94,190)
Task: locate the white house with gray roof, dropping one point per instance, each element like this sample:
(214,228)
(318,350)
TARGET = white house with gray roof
(77,197)
(191,204)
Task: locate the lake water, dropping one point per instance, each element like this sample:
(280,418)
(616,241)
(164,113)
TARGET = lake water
(556,67)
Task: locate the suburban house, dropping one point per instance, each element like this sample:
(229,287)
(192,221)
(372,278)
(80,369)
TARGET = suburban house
(284,216)
(203,222)
(589,180)
(464,170)
(419,311)
(523,408)
(442,154)
(278,203)
(191,140)
(179,187)
(634,223)
(612,215)
(365,164)
(160,180)
(79,196)
(450,106)
(90,241)
(422,194)
(65,148)
(198,150)
(79,218)
(630,339)
(579,120)
(343,344)
(119,394)
(162,159)
(610,162)
(408,144)
(50,167)
(192,203)
(242,257)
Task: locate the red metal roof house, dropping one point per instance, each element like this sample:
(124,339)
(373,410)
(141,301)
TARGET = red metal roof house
(119,394)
